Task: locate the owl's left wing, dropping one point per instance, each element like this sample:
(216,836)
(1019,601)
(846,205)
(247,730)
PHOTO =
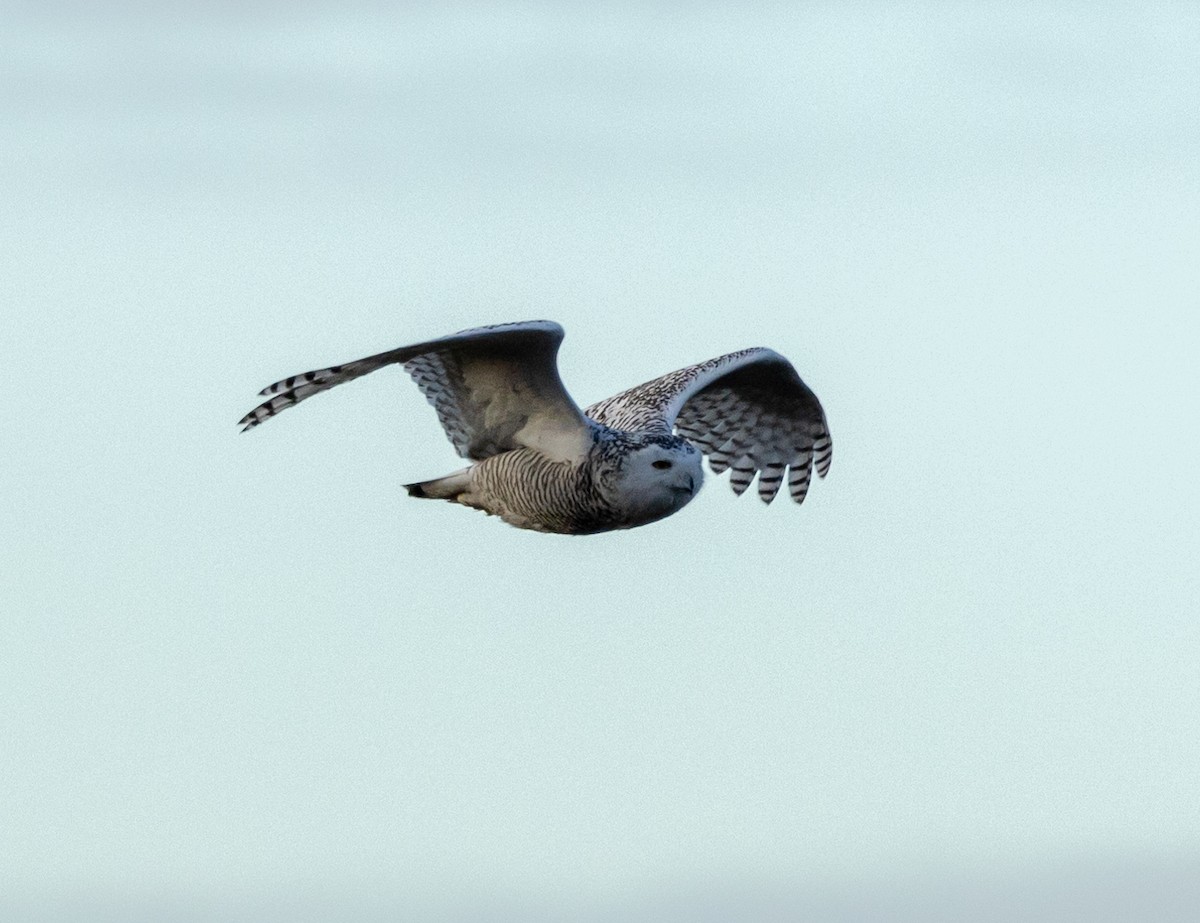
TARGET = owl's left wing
(495,389)
(748,411)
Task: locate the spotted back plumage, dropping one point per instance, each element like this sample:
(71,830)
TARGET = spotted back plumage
(541,463)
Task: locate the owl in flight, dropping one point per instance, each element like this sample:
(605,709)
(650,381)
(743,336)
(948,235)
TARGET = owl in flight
(539,462)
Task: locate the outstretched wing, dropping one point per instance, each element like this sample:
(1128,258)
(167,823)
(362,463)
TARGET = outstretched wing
(748,411)
(494,389)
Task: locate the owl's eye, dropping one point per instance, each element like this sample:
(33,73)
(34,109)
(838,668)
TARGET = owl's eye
(662,464)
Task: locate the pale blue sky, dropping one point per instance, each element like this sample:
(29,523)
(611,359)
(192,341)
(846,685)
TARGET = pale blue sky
(247,675)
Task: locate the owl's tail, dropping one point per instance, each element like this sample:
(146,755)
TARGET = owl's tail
(451,487)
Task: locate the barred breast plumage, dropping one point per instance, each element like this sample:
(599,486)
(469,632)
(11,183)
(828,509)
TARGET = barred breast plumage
(528,490)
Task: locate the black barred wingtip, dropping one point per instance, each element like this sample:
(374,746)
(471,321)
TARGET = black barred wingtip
(739,486)
(255,417)
(287,384)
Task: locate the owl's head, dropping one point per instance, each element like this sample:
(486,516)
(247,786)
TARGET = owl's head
(649,477)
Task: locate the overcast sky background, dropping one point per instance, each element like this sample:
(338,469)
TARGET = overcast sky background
(247,676)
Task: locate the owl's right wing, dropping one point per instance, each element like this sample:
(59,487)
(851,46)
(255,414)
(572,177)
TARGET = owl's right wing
(748,411)
(494,389)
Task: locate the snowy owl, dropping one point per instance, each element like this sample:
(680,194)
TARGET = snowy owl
(539,462)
